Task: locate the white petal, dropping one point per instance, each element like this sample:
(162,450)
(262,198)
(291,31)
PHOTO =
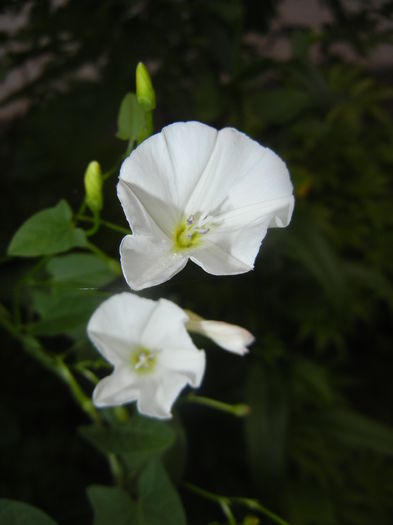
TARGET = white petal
(166,167)
(146,215)
(189,363)
(275,212)
(218,260)
(117,324)
(147,261)
(230,249)
(228,336)
(116,389)
(268,180)
(156,400)
(166,328)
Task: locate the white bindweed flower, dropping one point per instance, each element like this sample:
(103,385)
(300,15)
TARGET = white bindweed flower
(153,356)
(192,192)
(228,336)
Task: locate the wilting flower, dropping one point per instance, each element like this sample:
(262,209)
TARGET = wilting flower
(153,356)
(228,336)
(192,192)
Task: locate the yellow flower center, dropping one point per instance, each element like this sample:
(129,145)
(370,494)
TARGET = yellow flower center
(190,231)
(143,361)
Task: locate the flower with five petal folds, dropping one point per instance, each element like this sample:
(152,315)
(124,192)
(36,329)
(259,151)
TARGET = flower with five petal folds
(192,192)
(153,356)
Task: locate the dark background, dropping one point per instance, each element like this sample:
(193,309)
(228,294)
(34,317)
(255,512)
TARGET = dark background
(312,80)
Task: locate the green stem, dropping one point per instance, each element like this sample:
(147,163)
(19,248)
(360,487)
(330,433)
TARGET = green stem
(238,410)
(107,224)
(78,394)
(253,504)
(57,366)
(96,225)
(226,501)
(223,501)
(111,262)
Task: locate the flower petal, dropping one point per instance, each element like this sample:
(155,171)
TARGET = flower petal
(116,389)
(145,215)
(218,260)
(117,324)
(147,261)
(157,398)
(190,364)
(240,173)
(165,169)
(166,328)
(231,248)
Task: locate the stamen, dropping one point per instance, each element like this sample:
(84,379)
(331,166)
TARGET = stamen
(189,233)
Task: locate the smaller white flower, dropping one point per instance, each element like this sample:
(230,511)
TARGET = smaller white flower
(228,336)
(153,356)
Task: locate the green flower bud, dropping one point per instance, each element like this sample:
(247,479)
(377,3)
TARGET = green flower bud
(93,186)
(144,88)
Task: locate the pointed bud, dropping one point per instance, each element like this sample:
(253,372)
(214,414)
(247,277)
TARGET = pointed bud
(144,88)
(230,337)
(93,186)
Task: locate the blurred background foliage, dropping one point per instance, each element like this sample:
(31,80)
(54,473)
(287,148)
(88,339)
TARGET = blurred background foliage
(318,444)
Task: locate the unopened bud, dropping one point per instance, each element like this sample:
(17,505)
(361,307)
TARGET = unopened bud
(93,186)
(230,337)
(144,88)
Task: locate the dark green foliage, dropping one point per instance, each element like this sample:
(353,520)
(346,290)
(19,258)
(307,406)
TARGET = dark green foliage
(19,513)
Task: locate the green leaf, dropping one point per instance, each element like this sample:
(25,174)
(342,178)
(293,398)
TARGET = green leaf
(131,119)
(19,513)
(63,310)
(159,502)
(81,269)
(358,431)
(112,505)
(47,232)
(141,439)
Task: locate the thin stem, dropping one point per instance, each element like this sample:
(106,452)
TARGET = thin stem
(223,501)
(96,225)
(107,224)
(238,410)
(78,394)
(56,365)
(226,501)
(253,504)
(112,262)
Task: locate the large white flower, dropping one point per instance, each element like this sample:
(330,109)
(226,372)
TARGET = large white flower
(192,192)
(153,356)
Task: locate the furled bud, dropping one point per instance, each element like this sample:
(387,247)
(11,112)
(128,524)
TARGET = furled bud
(230,337)
(144,88)
(93,186)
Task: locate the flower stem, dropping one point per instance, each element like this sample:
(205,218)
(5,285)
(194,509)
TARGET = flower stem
(107,224)
(238,410)
(57,366)
(253,504)
(115,265)
(223,501)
